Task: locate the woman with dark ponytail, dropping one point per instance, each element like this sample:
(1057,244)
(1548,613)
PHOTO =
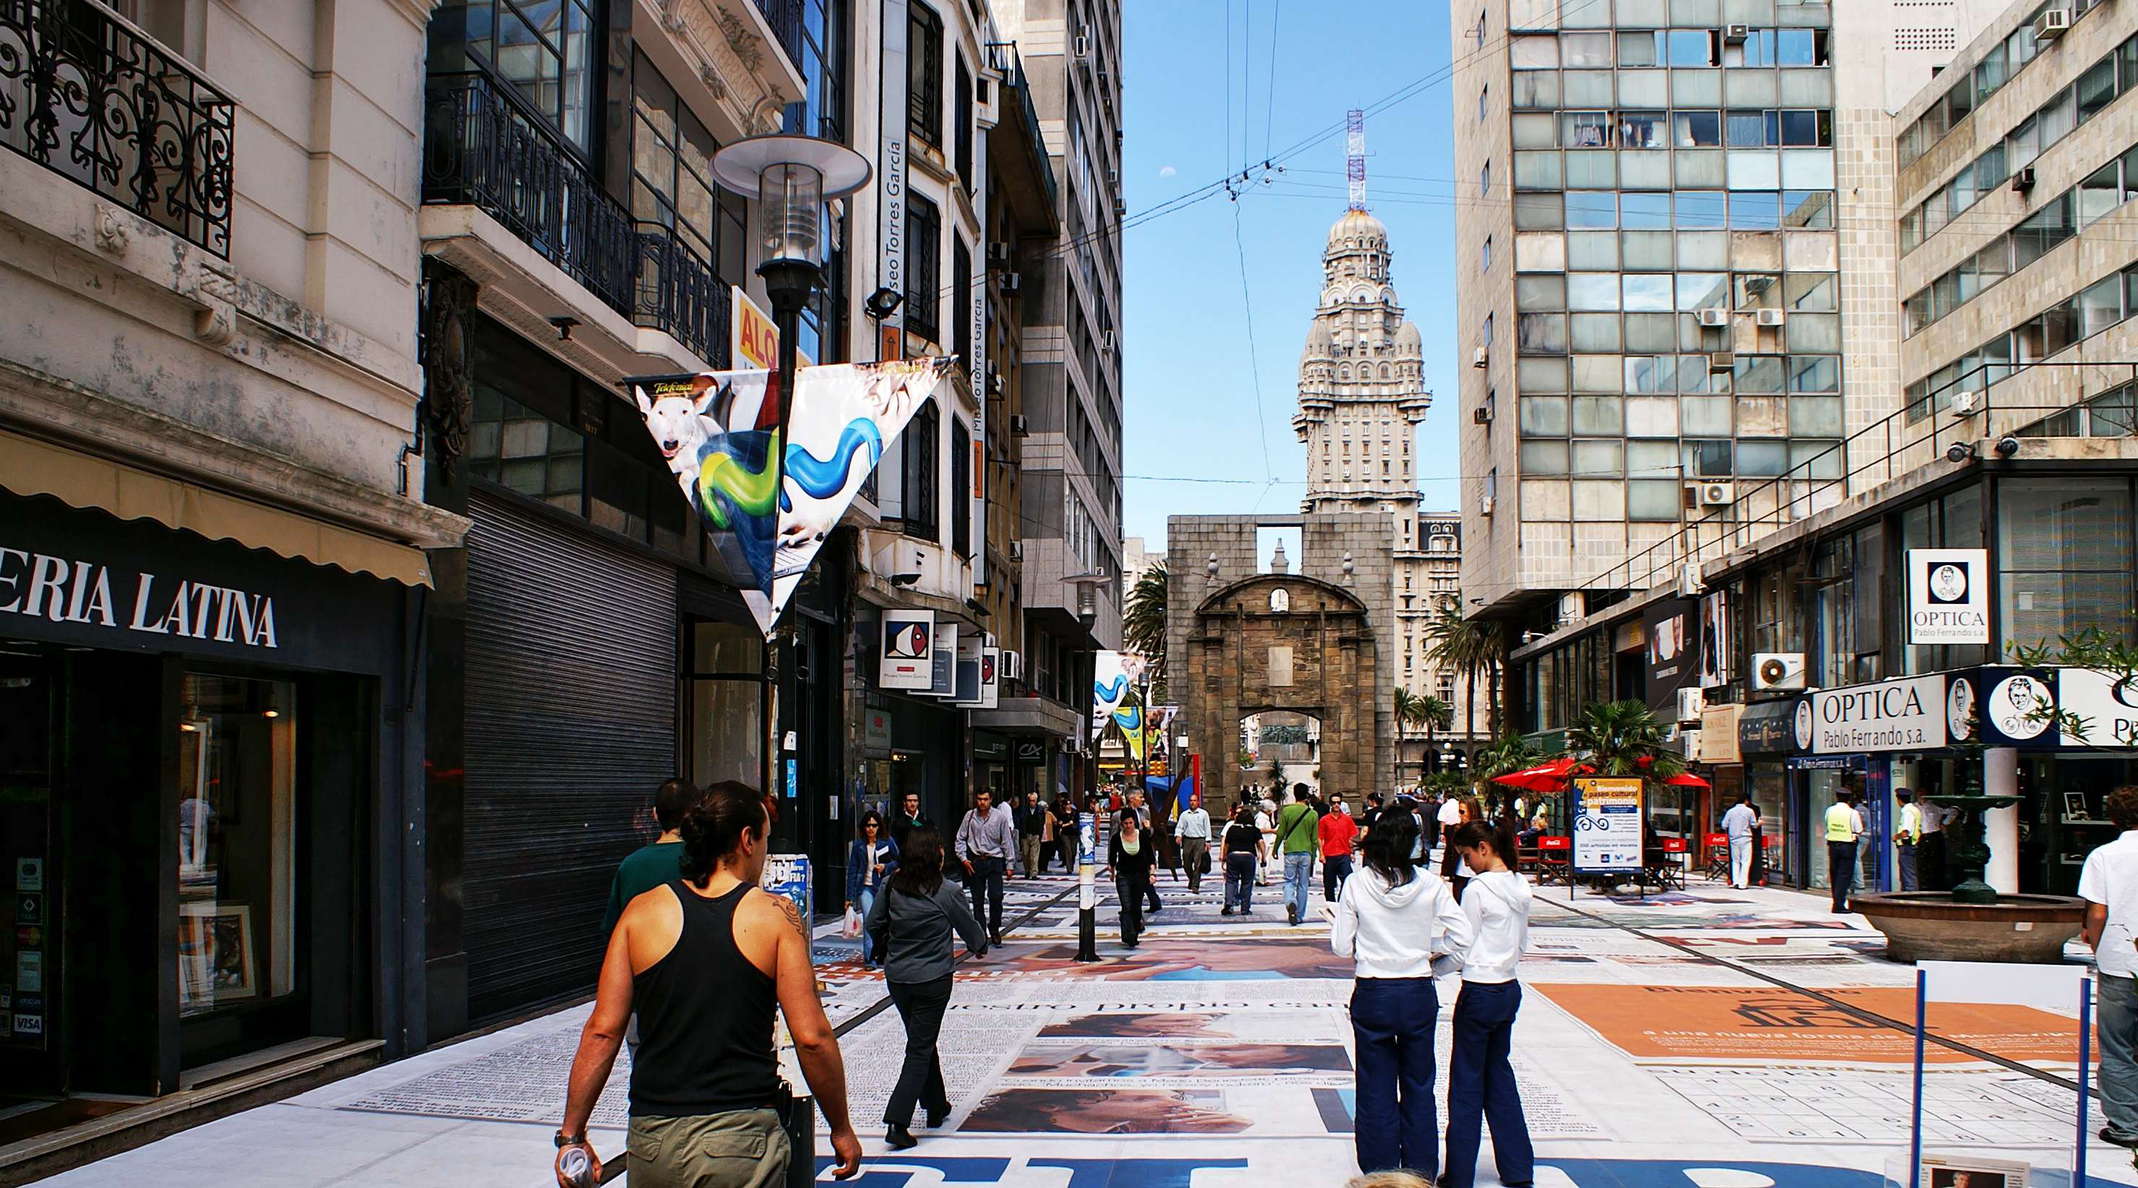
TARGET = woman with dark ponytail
(1480,1075)
(910,925)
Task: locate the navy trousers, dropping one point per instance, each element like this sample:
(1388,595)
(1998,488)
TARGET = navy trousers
(1398,1126)
(1481,1086)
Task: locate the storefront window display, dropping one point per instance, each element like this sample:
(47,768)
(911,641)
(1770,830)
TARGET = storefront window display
(726,660)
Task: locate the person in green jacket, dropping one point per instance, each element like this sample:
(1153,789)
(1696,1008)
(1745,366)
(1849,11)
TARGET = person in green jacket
(658,863)
(1298,837)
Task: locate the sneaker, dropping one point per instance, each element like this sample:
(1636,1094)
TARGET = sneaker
(2109,1135)
(1291,913)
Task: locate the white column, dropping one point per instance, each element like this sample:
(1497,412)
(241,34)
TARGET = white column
(2000,777)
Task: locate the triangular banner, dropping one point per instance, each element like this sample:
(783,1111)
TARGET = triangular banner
(1109,687)
(719,431)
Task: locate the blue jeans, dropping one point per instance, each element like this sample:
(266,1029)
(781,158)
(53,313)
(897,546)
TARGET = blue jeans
(1240,880)
(2119,1052)
(1481,1086)
(1392,1025)
(1298,873)
(868,946)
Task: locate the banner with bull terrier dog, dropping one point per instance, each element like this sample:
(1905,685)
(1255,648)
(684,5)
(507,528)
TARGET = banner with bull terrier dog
(720,433)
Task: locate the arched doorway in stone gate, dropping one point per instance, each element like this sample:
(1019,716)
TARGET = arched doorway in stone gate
(1283,644)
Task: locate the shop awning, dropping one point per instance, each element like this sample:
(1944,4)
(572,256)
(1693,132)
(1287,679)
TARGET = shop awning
(31,467)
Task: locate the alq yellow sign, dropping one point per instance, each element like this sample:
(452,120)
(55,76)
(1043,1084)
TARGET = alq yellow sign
(753,339)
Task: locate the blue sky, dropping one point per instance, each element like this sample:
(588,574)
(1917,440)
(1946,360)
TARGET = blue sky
(1189,355)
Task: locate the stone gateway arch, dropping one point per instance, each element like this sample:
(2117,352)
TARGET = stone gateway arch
(1285,642)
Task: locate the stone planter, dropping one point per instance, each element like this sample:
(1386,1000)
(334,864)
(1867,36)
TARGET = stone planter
(1931,926)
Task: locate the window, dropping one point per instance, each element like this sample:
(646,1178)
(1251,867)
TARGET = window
(1484,261)
(671,174)
(544,48)
(917,474)
(961,133)
(960,488)
(1483,95)
(924,75)
(726,681)
(924,288)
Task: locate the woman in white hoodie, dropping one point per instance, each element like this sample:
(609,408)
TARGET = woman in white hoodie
(1480,1076)
(1395,918)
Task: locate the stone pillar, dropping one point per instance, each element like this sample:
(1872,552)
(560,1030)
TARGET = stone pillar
(2000,777)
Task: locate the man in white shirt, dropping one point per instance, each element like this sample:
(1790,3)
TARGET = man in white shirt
(1905,837)
(1266,821)
(1739,823)
(1192,830)
(1450,816)
(2109,885)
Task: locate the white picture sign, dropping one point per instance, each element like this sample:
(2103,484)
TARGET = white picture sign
(2107,703)
(907,659)
(1948,596)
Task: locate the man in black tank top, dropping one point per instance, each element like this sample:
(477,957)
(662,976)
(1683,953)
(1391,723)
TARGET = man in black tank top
(705,961)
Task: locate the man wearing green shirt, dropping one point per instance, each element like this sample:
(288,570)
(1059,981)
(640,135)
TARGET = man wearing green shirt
(658,863)
(1298,832)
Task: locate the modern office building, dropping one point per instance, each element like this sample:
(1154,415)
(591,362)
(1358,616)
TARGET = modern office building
(1987,519)
(1674,215)
(1072,326)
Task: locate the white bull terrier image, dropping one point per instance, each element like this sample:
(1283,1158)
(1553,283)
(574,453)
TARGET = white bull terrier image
(681,424)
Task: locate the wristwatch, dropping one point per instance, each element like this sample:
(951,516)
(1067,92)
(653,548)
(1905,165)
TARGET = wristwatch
(570,1140)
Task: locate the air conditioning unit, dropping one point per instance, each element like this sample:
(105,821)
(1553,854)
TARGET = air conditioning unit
(1690,704)
(1722,360)
(1016,550)
(2023,179)
(1012,666)
(1777,670)
(1482,414)
(1011,284)
(1717,494)
(1107,340)
(1714,317)
(1966,403)
(1735,34)
(1689,583)
(998,255)
(1771,317)
(1481,358)
(1080,45)
(1484,505)
(2052,24)
(1572,606)
(1019,427)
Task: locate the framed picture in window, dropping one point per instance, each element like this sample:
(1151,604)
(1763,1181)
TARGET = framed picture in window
(2075,807)
(216,961)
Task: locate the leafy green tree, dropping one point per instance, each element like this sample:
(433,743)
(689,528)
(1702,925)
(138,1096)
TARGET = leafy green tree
(1473,648)
(1509,754)
(1623,738)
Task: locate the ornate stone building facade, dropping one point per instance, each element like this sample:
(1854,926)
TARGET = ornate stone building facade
(1362,397)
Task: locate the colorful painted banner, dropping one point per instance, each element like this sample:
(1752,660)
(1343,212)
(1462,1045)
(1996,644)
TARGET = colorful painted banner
(720,433)
(1109,688)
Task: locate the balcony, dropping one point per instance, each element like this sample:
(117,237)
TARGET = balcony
(1002,57)
(90,97)
(785,18)
(484,148)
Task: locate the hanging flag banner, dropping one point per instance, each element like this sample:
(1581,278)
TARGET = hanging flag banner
(719,432)
(1109,687)
(1130,719)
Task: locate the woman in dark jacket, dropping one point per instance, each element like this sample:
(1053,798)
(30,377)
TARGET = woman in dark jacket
(911,925)
(1128,863)
(869,861)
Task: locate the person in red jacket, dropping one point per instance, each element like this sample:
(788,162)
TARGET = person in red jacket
(1337,831)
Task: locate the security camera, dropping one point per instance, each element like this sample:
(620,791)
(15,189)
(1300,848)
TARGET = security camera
(2007,446)
(1959,451)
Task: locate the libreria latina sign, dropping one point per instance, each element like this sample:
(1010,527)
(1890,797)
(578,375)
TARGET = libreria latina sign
(67,590)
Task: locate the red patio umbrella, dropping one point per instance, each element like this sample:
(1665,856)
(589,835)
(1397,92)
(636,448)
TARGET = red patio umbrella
(1551,776)
(1686,779)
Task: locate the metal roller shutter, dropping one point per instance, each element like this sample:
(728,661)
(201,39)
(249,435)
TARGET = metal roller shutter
(571,689)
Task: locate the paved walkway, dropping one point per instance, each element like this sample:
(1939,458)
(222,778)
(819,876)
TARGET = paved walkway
(1710,1038)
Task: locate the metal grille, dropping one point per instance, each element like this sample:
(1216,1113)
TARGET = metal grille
(88,96)
(571,688)
(680,293)
(785,17)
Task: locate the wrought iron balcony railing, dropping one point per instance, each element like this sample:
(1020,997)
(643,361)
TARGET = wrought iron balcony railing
(1002,56)
(680,293)
(90,97)
(482,147)
(785,17)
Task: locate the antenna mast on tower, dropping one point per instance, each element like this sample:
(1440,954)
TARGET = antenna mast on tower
(1355,167)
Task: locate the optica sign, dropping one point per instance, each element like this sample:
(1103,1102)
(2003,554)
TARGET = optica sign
(1900,715)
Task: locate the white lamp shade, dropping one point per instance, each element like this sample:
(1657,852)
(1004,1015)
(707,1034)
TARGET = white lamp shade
(740,166)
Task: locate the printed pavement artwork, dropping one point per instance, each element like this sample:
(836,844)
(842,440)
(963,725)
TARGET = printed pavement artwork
(720,434)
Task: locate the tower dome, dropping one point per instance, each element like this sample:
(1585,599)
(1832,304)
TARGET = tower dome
(1358,229)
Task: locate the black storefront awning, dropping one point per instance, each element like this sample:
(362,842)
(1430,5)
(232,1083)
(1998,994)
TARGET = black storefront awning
(1768,728)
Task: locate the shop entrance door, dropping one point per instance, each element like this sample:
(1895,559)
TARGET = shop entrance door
(29,950)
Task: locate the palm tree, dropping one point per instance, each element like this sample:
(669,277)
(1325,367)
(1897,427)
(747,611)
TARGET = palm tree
(1434,714)
(1623,738)
(1405,704)
(1470,647)
(1509,754)
(1143,625)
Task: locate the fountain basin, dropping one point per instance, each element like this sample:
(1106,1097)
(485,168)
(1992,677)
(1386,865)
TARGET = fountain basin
(1930,926)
